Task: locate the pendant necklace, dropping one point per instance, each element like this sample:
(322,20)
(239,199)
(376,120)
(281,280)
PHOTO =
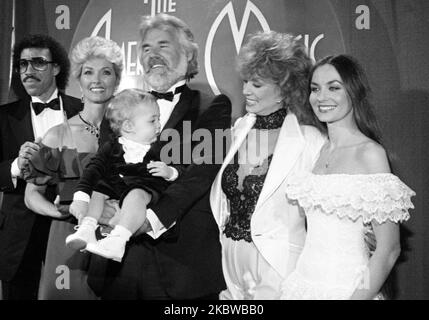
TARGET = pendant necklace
(328,156)
(90,127)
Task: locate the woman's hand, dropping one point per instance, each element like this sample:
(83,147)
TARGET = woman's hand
(61,210)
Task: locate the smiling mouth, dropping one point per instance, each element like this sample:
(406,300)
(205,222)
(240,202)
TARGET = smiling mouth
(156,62)
(251,102)
(97,90)
(326,108)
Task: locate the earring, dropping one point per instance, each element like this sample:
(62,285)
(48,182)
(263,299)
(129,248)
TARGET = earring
(82,99)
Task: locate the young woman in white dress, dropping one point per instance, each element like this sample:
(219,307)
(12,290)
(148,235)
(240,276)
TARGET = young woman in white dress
(350,192)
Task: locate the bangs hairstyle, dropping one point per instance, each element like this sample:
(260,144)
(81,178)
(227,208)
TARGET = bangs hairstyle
(123,105)
(58,55)
(357,87)
(97,47)
(180,30)
(280,59)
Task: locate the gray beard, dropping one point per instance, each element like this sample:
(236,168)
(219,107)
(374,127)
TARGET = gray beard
(164,81)
(161,82)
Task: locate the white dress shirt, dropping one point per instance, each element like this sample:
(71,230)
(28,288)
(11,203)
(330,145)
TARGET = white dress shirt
(41,123)
(165,108)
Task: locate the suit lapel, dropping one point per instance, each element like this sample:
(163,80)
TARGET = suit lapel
(180,109)
(20,122)
(289,146)
(70,107)
(179,113)
(239,135)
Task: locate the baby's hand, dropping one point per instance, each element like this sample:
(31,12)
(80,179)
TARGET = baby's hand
(160,169)
(79,208)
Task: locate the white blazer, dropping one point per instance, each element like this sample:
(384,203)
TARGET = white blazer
(276,224)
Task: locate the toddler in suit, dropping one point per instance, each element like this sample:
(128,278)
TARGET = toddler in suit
(122,169)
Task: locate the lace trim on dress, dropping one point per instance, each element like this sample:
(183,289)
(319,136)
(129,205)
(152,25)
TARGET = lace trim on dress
(271,121)
(379,197)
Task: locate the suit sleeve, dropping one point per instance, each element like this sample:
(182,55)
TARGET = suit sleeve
(197,179)
(94,171)
(6,183)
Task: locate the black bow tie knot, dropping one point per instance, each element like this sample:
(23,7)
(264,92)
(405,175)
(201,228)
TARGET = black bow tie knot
(163,95)
(38,107)
(167,95)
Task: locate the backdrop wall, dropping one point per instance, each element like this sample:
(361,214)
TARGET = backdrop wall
(389,37)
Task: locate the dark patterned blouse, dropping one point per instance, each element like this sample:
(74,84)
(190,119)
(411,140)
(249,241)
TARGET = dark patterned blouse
(243,199)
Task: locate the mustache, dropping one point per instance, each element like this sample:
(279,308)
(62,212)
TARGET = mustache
(156,60)
(30,77)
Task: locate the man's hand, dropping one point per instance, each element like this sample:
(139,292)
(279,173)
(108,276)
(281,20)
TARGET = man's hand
(79,209)
(160,169)
(27,150)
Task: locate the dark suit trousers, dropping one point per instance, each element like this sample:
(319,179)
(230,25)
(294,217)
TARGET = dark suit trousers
(140,279)
(25,284)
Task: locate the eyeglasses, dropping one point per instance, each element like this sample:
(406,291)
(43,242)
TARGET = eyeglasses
(37,63)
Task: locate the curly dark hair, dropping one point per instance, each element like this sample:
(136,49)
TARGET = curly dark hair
(58,53)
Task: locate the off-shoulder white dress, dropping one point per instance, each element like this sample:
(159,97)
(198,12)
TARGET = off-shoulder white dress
(334,260)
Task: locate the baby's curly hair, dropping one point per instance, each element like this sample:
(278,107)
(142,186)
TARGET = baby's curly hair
(122,107)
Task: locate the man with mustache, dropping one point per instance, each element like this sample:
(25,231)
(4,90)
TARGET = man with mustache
(43,68)
(179,256)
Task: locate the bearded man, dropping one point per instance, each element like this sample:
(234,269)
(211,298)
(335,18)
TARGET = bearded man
(177,255)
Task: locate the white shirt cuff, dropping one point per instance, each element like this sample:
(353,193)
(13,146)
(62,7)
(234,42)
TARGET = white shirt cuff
(157,227)
(174,176)
(15,172)
(81,196)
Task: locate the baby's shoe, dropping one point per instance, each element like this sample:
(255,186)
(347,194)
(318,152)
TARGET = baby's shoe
(112,246)
(84,235)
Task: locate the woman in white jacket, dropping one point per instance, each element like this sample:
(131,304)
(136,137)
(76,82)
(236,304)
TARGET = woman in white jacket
(262,234)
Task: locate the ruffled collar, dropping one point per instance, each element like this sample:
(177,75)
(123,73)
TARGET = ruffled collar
(272,121)
(134,152)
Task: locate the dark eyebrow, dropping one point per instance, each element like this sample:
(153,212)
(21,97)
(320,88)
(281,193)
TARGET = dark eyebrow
(333,81)
(330,82)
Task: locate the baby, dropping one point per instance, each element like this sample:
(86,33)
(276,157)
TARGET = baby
(125,169)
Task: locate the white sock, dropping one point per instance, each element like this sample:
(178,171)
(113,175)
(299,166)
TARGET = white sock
(122,232)
(90,222)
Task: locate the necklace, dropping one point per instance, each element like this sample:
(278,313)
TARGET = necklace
(330,153)
(90,127)
(272,121)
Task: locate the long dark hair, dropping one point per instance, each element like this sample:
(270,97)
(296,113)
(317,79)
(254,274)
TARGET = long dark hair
(359,91)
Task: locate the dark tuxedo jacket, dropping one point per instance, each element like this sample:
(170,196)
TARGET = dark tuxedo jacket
(118,177)
(16,220)
(188,256)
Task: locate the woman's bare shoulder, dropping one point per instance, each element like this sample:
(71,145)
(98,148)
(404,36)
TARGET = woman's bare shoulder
(373,157)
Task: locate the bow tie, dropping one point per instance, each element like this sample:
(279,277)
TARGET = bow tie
(39,106)
(167,95)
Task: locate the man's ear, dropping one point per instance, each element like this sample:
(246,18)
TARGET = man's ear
(57,69)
